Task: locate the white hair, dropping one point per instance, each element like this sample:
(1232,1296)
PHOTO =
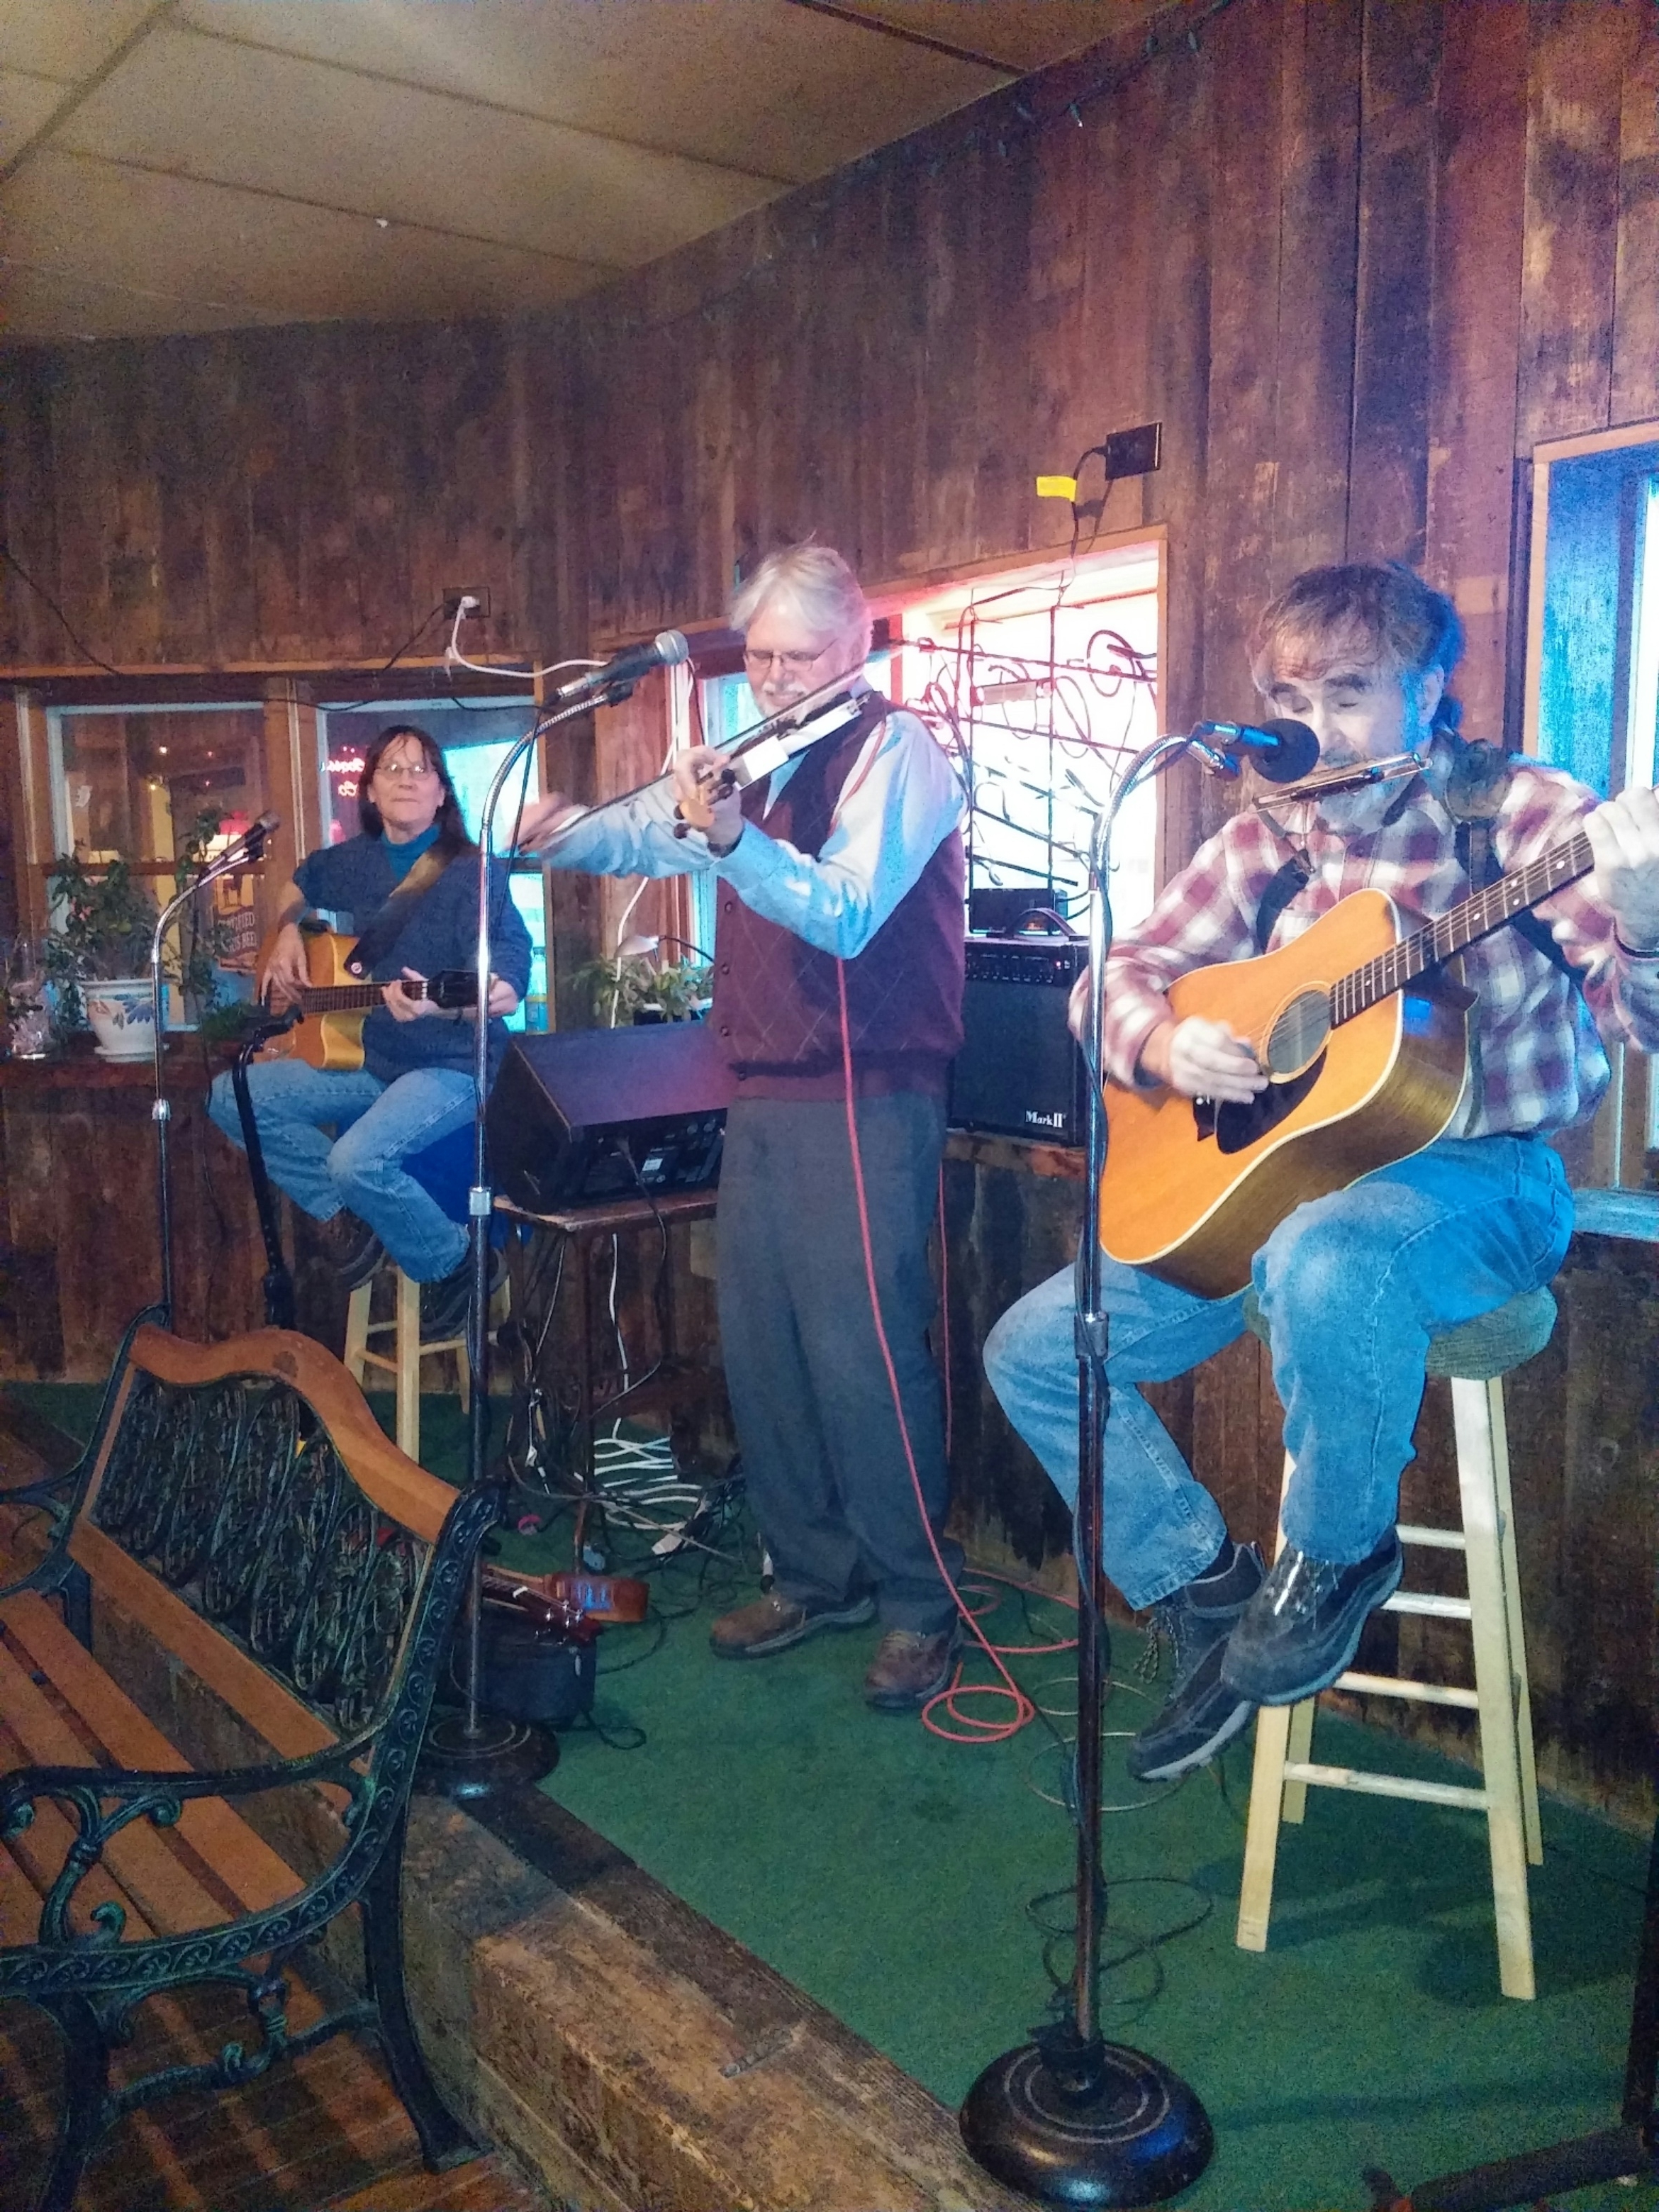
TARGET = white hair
(816,583)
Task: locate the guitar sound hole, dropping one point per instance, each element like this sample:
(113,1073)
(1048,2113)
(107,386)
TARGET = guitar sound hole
(1238,1128)
(1298,1034)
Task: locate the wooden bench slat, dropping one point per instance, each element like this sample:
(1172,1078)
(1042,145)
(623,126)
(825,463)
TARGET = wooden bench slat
(291,1729)
(164,1889)
(244,1862)
(39,1852)
(19,1902)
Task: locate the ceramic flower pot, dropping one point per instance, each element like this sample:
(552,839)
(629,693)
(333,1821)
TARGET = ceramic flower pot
(123,1017)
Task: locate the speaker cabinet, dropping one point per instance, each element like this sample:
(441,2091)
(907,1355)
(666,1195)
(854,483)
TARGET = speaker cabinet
(595,1113)
(1019,1073)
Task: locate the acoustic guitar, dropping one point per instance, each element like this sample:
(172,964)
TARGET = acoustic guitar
(328,1030)
(1365,1038)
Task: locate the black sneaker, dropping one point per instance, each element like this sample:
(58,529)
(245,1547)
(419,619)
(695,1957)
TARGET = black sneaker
(353,1248)
(1199,1714)
(1303,1628)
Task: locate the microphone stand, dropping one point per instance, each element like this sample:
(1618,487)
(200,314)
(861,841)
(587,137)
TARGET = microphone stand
(468,1754)
(246,853)
(1068,2117)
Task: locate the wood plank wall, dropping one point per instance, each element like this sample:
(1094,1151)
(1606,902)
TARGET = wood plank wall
(1358,257)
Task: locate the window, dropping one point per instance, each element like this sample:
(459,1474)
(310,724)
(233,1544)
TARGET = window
(132,784)
(474,740)
(1592,696)
(1044,683)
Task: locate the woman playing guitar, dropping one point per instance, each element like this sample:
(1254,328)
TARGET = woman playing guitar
(1354,1281)
(337,1139)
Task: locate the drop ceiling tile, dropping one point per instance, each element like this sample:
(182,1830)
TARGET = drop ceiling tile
(202,107)
(25,104)
(1022,34)
(758,85)
(86,230)
(65,39)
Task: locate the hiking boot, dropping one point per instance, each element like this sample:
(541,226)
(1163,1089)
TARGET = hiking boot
(1201,1713)
(772,1624)
(353,1248)
(1302,1628)
(910,1666)
(446,1303)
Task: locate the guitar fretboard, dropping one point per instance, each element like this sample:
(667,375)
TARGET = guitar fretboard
(1476,918)
(343,998)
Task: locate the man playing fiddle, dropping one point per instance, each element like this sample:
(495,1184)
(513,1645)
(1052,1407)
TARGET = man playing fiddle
(838,975)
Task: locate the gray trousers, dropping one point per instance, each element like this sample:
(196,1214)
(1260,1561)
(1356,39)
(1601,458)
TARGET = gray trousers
(821,1446)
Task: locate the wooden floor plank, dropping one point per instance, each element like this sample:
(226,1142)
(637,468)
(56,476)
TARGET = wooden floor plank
(244,1862)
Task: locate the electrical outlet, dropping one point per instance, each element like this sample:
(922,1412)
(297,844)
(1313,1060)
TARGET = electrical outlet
(1134,452)
(454,593)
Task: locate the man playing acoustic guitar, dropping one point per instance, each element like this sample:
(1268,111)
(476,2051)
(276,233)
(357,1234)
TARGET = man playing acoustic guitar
(1351,1285)
(337,1139)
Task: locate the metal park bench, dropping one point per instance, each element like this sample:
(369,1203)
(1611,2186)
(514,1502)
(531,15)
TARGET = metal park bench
(240,1512)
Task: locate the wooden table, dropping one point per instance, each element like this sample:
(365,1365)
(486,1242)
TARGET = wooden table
(691,1391)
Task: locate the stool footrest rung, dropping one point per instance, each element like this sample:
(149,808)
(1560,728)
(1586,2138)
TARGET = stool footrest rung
(1429,1605)
(1400,1685)
(1439,1540)
(1385,1785)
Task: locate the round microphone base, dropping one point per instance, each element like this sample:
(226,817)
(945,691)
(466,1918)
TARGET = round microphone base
(1076,2126)
(499,1754)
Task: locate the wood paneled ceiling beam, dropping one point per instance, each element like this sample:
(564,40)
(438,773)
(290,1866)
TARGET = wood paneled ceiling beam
(844,14)
(88,84)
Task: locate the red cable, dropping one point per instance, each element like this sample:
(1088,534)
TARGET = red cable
(944,1308)
(970,1729)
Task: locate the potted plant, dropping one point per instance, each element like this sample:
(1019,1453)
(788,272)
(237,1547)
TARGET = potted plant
(632,988)
(98,954)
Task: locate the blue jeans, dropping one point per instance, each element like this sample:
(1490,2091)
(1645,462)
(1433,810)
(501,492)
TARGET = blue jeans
(379,1125)
(1352,1287)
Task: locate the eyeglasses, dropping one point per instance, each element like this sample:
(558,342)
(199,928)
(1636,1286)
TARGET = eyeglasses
(788,664)
(415,771)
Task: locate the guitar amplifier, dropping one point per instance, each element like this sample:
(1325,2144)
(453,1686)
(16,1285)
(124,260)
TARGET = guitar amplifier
(1019,1073)
(595,1113)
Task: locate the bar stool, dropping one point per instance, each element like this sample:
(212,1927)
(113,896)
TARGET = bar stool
(1475,1356)
(404,1363)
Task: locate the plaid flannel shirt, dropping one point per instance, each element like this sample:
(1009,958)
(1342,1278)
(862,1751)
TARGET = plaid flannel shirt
(1537,1061)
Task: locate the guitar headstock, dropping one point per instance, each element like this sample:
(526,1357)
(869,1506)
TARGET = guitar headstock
(454,986)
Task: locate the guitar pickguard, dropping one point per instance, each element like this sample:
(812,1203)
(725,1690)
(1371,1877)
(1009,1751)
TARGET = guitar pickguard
(1236,1128)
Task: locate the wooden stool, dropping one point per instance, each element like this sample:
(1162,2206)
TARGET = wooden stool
(1475,1356)
(407,1350)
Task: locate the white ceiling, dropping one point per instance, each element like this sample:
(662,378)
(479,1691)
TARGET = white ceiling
(196,165)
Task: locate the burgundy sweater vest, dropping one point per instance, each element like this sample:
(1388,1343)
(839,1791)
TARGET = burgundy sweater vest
(777,1004)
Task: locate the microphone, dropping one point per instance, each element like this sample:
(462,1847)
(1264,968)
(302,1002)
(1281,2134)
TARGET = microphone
(251,845)
(1280,752)
(666,650)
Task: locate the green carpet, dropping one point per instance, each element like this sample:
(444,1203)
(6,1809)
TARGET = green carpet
(893,1876)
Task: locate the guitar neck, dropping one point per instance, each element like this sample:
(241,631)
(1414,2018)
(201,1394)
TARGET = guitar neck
(1465,925)
(348,997)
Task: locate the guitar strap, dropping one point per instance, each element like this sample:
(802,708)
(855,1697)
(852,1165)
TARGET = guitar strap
(1474,797)
(386,926)
(1480,779)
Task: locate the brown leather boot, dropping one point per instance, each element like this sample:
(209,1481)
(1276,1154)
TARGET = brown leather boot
(772,1624)
(910,1667)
